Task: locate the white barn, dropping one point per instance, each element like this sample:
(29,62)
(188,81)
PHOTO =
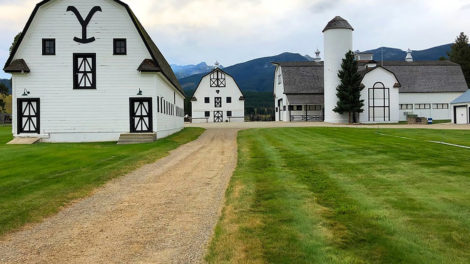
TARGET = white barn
(218,99)
(306,91)
(86,71)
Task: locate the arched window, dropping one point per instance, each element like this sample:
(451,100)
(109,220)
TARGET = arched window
(379,103)
(218,79)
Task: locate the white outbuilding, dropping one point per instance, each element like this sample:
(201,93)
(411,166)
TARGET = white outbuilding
(218,99)
(461,109)
(86,70)
(393,90)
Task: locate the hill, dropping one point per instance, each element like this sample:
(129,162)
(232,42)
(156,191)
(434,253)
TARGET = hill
(392,54)
(258,74)
(182,71)
(254,75)
(7,82)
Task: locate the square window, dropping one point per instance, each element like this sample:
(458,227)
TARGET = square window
(207,100)
(207,114)
(120,46)
(299,108)
(229,113)
(229,100)
(48,46)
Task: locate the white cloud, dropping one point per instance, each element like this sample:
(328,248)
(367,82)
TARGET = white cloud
(231,31)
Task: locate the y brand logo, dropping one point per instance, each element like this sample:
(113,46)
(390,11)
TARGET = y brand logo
(84,23)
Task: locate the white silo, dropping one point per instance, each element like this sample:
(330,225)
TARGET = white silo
(338,40)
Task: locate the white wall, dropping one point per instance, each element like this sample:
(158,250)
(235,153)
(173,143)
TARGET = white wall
(87,115)
(199,107)
(337,43)
(428,98)
(280,114)
(389,80)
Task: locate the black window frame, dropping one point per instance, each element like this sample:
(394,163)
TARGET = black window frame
(207,100)
(229,113)
(228,100)
(115,47)
(44,48)
(385,105)
(75,70)
(298,108)
(207,114)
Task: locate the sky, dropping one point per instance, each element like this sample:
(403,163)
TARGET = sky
(234,31)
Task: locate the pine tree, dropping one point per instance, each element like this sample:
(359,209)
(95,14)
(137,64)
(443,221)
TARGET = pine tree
(349,91)
(460,54)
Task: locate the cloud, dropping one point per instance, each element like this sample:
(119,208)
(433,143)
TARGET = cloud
(232,31)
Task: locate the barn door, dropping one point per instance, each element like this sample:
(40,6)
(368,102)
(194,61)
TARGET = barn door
(28,116)
(218,117)
(141,115)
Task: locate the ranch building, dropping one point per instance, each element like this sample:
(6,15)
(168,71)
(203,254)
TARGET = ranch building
(86,71)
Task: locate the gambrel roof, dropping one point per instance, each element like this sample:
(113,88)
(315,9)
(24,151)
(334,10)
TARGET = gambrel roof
(413,77)
(302,77)
(157,57)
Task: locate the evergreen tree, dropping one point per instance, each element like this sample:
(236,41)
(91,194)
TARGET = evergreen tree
(15,40)
(349,91)
(460,53)
(3,94)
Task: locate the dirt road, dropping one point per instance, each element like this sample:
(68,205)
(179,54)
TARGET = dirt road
(161,213)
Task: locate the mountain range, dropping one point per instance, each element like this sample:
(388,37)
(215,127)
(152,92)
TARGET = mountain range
(258,75)
(182,71)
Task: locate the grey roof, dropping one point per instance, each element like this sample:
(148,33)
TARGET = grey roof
(157,56)
(148,65)
(302,77)
(338,23)
(17,66)
(428,76)
(306,99)
(464,98)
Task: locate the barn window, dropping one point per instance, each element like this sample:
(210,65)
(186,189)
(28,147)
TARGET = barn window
(84,71)
(314,107)
(229,100)
(229,113)
(48,46)
(207,114)
(379,103)
(120,46)
(299,108)
(207,100)
(440,106)
(217,79)
(406,107)
(422,106)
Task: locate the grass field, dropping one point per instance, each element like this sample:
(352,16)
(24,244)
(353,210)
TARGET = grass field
(343,195)
(37,180)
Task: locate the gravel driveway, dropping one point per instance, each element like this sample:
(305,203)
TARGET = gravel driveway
(164,212)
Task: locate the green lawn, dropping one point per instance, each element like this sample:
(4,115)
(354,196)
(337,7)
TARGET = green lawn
(344,195)
(37,180)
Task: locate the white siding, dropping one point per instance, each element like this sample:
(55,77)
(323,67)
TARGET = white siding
(88,115)
(280,99)
(389,80)
(199,107)
(428,98)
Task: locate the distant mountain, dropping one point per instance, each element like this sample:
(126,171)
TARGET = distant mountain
(182,71)
(7,82)
(258,75)
(255,75)
(392,54)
